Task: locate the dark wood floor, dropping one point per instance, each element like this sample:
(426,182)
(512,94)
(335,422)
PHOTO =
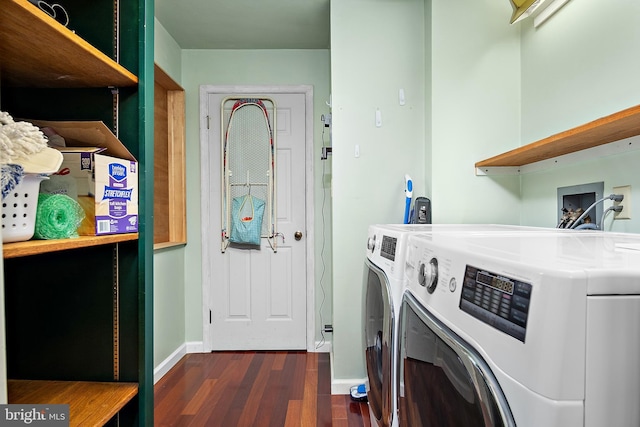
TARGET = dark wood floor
(254,389)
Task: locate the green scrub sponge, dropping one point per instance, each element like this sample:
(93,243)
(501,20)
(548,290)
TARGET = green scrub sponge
(58,217)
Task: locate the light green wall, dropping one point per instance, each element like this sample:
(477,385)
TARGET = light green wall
(459,65)
(169,270)
(475,108)
(580,65)
(428,94)
(249,67)
(168,302)
(376,49)
(167,52)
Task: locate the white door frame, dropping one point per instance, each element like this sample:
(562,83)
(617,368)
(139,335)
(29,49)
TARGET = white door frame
(205,191)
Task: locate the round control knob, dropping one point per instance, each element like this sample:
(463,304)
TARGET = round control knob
(371,243)
(428,275)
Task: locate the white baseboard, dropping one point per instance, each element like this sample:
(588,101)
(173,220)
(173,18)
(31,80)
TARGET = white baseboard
(195,347)
(343,386)
(168,363)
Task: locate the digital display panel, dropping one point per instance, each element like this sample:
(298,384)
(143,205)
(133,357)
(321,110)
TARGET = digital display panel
(388,247)
(496,282)
(497,300)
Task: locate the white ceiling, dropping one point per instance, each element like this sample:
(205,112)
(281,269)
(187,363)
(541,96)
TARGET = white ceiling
(246,24)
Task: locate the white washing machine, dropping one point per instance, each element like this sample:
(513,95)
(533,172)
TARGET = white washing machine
(384,279)
(526,329)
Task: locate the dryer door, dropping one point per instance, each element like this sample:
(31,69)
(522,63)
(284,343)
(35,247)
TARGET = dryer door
(442,381)
(378,322)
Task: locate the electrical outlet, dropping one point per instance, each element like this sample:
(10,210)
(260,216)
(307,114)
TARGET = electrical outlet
(625,190)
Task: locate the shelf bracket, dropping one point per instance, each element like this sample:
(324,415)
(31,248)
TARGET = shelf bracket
(498,170)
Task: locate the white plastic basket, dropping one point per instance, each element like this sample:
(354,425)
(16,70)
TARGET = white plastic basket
(19,209)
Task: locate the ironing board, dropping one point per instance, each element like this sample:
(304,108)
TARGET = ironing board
(248,160)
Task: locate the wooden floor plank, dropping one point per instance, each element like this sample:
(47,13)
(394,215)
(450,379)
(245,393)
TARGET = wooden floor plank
(220,363)
(279,362)
(234,376)
(214,407)
(324,373)
(256,394)
(354,414)
(296,392)
(237,405)
(323,413)
(338,408)
(271,401)
(294,414)
(196,404)
(310,400)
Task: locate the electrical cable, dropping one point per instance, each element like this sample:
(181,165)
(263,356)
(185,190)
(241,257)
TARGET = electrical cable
(604,214)
(614,197)
(324,196)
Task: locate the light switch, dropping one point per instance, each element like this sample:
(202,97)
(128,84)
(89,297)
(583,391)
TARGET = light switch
(378,118)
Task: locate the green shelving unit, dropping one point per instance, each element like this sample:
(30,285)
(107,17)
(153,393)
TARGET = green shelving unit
(79,312)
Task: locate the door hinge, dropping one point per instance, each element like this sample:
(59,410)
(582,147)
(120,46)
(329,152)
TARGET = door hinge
(210,316)
(208,122)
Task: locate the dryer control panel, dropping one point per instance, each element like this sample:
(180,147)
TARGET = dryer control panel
(497,300)
(388,247)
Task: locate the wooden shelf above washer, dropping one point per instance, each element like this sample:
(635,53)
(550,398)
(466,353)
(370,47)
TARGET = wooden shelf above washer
(615,127)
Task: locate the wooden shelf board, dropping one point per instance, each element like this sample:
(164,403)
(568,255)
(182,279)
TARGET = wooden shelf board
(90,403)
(38,51)
(34,247)
(615,127)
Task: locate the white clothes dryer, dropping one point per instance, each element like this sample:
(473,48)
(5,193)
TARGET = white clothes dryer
(528,329)
(383,284)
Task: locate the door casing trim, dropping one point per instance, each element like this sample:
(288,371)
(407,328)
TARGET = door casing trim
(205,191)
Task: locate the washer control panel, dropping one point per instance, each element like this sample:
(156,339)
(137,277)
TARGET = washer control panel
(497,300)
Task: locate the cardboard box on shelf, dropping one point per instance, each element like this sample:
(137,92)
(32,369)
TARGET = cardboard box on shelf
(106,176)
(75,176)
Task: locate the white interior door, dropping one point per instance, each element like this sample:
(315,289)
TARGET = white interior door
(258,297)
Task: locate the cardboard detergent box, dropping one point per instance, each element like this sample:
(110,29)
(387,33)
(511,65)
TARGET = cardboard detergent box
(99,172)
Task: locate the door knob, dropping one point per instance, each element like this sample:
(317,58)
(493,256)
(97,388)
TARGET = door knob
(297,235)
